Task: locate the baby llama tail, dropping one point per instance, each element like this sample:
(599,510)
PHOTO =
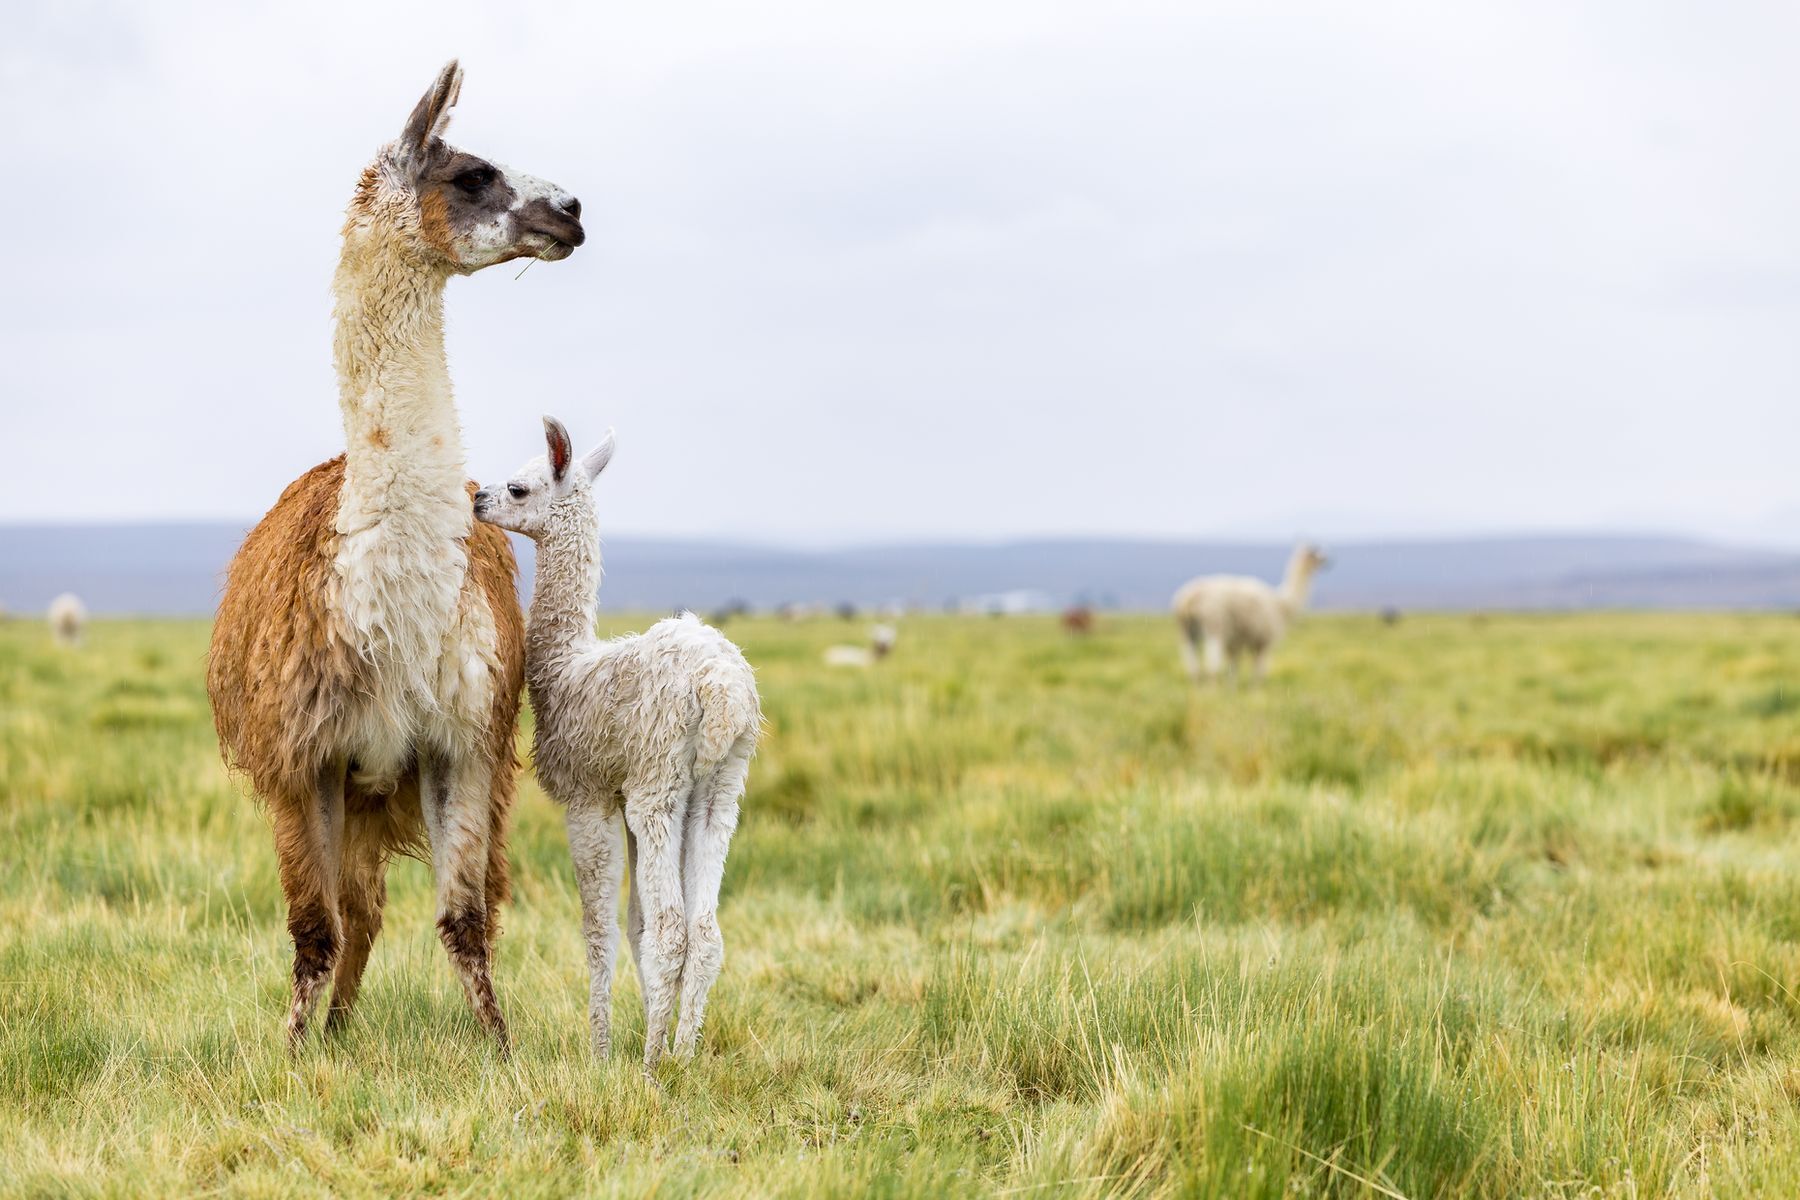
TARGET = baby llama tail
(727,711)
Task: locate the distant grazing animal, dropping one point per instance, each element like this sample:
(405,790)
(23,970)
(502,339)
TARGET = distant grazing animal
(881,644)
(1390,615)
(367,657)
(660,725)
(68,617)
(732,608)
(1228,616)
(1079,619)
(737,606)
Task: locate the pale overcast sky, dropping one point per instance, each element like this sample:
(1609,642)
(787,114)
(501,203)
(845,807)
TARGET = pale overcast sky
(967,270)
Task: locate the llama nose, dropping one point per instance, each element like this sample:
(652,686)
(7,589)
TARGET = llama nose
(572,206)
(481,497)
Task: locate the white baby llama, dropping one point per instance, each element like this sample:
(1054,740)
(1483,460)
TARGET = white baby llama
(881,644)
(68,615)
(1233,615)
(660,725)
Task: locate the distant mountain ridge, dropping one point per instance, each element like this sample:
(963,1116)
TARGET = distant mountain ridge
(171,569)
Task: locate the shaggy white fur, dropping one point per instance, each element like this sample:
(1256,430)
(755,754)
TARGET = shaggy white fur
(1234,615)
(660,726)
(68,617)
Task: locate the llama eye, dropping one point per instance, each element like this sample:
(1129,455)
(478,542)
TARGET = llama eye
(517,491)
(474,181)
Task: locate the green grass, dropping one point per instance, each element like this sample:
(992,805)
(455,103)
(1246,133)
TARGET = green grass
(1454,908)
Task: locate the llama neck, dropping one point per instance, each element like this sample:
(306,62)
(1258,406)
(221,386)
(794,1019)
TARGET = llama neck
(402,440)
(566,597)
(1296,587)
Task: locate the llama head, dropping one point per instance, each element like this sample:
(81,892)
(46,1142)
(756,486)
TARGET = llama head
(459,211)
(550,490)
(1310,559)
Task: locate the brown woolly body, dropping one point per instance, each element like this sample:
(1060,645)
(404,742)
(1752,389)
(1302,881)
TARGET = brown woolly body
(282,677)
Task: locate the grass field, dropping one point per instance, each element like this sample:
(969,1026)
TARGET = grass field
(1455,908)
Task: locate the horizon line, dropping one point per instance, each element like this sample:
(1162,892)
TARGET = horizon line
(903,541)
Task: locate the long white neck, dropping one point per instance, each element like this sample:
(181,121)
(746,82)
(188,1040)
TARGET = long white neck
(566,598)
(404,515)
(1296,585)
(402,440)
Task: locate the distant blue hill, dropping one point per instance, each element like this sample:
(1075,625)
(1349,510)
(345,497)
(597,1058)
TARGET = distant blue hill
(177,569)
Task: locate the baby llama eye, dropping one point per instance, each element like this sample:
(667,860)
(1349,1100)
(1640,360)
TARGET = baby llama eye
(517,491)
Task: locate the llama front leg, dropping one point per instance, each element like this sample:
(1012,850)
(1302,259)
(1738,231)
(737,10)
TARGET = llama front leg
(454,799)
(309,832)
(654,817)
(597,844)
(712,818)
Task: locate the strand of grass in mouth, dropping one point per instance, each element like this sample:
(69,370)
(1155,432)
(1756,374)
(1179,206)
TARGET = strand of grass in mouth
(534,258)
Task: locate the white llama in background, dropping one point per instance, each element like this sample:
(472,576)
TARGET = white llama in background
(1228,616)
(881,644)
(660,725)
(68,617)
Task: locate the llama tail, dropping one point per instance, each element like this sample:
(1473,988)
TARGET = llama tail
(727,711)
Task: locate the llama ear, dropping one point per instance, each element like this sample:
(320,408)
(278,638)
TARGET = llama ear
(595,460)
(557,438)
(431,116)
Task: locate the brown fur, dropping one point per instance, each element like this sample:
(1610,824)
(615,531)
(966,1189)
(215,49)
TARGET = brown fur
(277,672)
(434,222)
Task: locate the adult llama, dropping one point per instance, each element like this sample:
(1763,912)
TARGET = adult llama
(366,663)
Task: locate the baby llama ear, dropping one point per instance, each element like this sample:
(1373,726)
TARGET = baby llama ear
(595,460)
(431,116)
(557,438)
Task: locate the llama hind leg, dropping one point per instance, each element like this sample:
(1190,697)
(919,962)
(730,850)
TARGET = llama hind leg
(634,911)
(655,817)
(362,894)
(498,888)
(712,819)
(309,830)
(597,845)
(455,801)
(1215,657)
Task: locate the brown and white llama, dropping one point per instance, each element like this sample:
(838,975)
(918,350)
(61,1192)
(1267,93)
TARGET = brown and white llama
(368,654)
